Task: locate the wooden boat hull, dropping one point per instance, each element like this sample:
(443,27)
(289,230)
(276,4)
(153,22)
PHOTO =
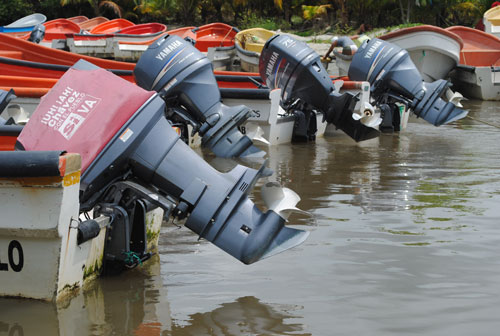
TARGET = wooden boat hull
(433,50)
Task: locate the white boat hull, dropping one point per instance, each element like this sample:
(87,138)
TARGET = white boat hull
(477,82)
(39,254)
(434,54)
(270,117)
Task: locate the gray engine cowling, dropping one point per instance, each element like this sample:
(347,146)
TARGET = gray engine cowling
(184,78)
(394,77)
(296,69)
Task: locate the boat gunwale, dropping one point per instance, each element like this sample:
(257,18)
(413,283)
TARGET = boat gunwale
(423,28)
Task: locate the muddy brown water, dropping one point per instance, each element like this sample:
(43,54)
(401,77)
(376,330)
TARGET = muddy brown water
(404,240)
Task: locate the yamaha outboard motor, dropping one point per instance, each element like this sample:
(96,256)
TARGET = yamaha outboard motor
(37,34)
(184,78)
(5,99)
(394,78)
(131,156)
(296,69)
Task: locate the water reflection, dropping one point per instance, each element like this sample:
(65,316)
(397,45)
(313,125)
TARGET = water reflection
(133,303)
(136,303)
(245,316)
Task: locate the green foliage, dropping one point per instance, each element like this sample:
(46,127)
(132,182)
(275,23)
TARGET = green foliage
(311,16)
(465,13)
(11,10)
(296,20)
(154,10)
(253,21)
(313,12)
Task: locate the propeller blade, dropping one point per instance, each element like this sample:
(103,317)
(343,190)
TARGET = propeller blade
(281,200)
(337,85)
(18,113)
(454,97)
(256,133)
(367,115)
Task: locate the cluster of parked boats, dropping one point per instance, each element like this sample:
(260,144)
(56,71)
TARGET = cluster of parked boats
(95,152)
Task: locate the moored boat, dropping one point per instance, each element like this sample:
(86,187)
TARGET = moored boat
(183,32)
(249,44)
(214,35)
(57,30)
(491,21)
(434,50)
(24,24)
(22,58)
(91,23)
(111,26)
(125,45)
(478,74)
(78,19)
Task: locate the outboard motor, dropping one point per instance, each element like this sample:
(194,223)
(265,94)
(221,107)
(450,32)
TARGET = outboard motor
(394,78)
(131,156)
(184,78)
(5,99)
(37,34)
(296,69)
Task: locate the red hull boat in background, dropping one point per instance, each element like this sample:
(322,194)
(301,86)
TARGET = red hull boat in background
(91,23)
(78,19)
(111,26)
(183,32)
(56,29)
(478,74)
(214,35)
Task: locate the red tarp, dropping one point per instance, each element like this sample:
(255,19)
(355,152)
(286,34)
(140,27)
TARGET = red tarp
(82,112)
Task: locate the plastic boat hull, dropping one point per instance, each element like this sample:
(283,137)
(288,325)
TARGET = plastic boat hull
(433,50)
(478,74)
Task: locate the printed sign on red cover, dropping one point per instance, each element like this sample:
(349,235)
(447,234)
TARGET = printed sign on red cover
(82,112)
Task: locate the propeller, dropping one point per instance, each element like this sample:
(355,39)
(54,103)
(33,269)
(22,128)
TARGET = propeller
(281,200)
(454,97)
(256,133)
(367,115)
(18,114)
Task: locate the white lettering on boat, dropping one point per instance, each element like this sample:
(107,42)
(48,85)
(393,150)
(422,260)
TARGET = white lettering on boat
(271,63)
(17,263)
(372,49)
(168,49)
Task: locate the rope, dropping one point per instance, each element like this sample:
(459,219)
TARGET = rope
(482,121)
(132,257)
(228,32)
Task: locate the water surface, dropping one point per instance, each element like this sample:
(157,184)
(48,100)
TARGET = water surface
(404,240)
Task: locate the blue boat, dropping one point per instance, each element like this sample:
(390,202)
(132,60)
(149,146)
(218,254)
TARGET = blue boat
(25,24)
